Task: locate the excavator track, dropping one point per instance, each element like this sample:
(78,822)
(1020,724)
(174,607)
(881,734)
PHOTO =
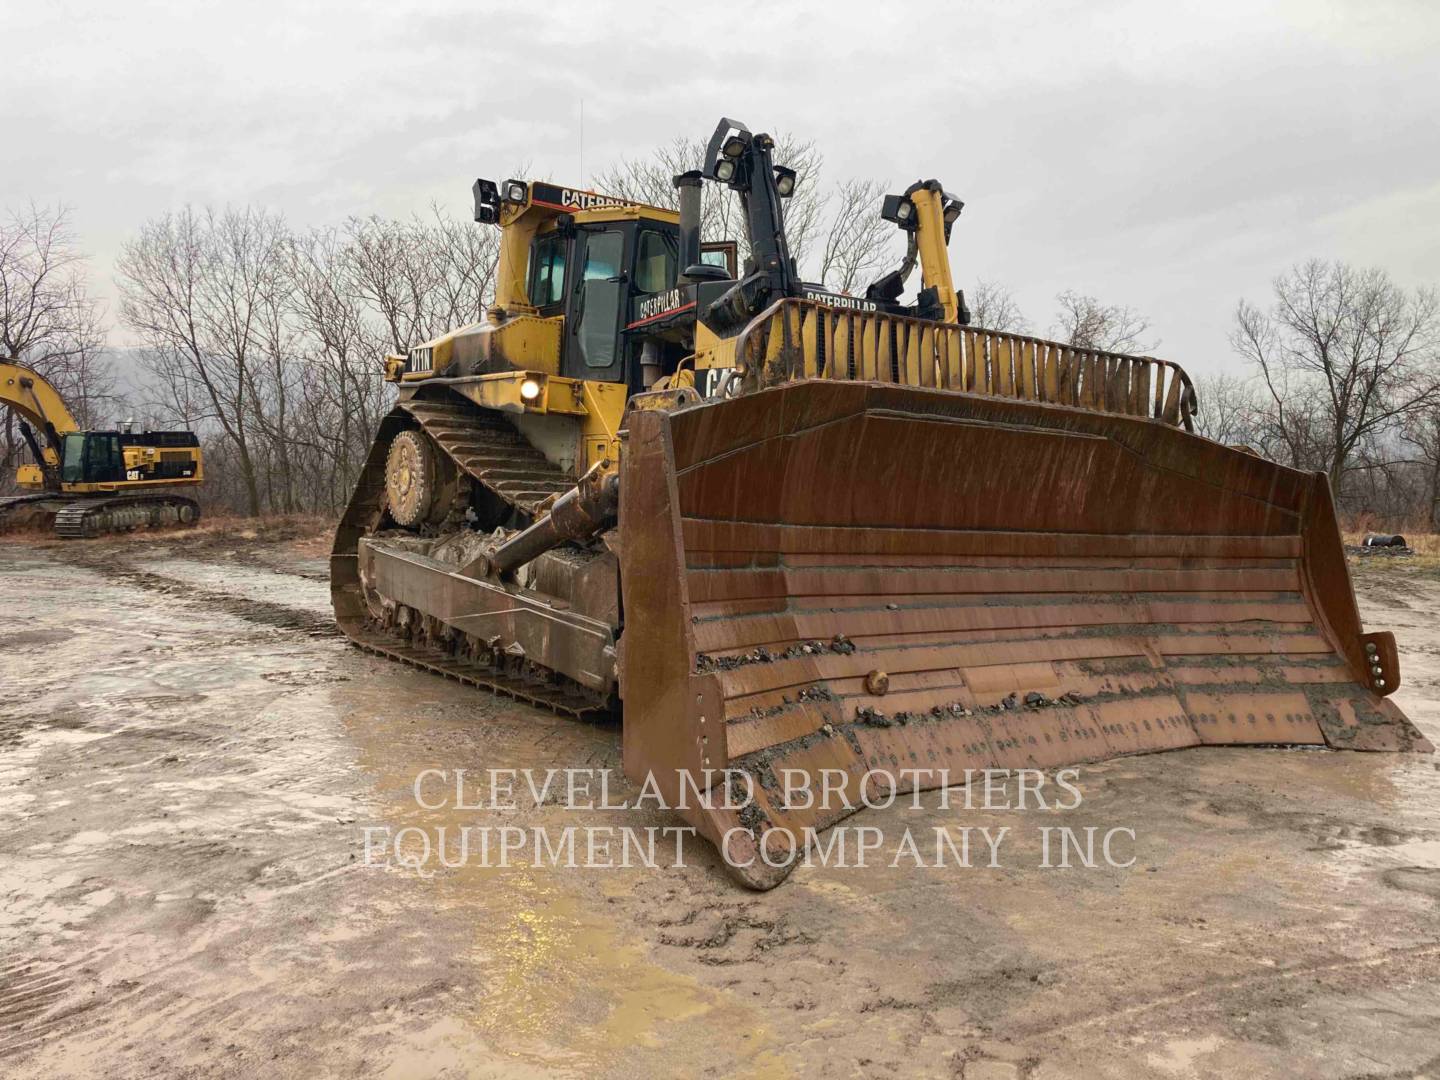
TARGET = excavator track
(77,519)
(17,510)
(87,518)
(491,452)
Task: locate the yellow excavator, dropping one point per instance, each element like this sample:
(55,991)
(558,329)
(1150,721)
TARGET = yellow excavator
(827,545)
(87,483)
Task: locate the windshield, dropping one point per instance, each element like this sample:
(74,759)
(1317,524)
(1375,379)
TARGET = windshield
(72,464)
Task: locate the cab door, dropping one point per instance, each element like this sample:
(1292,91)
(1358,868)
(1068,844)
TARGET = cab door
(598,300)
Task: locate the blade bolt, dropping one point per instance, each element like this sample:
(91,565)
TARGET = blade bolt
(1377,670)
(1371,648)
(877,682)
(1379,684)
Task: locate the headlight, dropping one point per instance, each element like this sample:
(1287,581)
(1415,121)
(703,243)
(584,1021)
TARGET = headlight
(904,210)
(529,389)
(514,191)
(734,146)
(784,181)
(725,170)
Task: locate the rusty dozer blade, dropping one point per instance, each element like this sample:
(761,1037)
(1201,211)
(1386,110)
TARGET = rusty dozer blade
(902,584)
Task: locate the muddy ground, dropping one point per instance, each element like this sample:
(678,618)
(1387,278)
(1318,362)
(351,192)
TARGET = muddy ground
(190,757)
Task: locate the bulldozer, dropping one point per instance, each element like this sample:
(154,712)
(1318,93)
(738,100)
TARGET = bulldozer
(87,483)
(845,539)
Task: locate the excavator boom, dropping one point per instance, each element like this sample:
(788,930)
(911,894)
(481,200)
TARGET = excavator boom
(41,408)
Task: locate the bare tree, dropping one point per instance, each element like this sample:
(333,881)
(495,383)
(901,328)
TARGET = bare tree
(464,259)
(1346,356)
(196,288)
(1422,434)
(385,276)
(993,306)
(856,246)
(1084,321)
(340,341)
(1229,410)
(810,213)
(422,277)
(48,320)
(270,343)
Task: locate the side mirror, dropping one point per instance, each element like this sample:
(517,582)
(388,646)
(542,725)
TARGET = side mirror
(705,272)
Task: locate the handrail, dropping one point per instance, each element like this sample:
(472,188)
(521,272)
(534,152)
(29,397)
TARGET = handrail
(805,339)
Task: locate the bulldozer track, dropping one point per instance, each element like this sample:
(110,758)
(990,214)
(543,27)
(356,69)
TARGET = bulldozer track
(489,451)
(439,662)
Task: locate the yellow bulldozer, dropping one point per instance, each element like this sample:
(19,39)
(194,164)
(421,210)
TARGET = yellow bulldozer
(796,534)
(86,483)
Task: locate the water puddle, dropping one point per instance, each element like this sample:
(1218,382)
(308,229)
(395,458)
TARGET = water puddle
(564,987)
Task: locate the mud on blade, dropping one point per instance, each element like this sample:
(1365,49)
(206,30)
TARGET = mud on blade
(853,576)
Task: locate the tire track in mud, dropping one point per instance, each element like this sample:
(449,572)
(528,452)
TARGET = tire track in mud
(1214,995)
(264,612)
(37,997)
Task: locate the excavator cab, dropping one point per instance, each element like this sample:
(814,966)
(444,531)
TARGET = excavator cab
(114,459)
(92,457)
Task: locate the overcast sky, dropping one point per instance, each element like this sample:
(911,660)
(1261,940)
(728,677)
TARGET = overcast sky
(1169,156)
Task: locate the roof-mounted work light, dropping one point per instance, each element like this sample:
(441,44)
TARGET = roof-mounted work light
(784,181)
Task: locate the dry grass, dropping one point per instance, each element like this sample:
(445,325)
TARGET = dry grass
(1425,561)
(305,534)
(302,534)
(1420,543)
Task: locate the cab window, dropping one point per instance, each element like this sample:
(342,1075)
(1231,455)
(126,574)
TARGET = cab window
(602,297)
(602,255)
(72,462)
(655,260)
(103,461)
(547,271)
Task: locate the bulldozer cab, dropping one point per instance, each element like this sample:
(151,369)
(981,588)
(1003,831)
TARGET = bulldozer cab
(613,280)
(607,270)
(619,266)
(590,261)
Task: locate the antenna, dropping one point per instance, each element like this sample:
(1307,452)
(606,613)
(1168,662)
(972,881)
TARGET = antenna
(582,140)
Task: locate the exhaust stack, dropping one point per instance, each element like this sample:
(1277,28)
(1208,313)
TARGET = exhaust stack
(688,185)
